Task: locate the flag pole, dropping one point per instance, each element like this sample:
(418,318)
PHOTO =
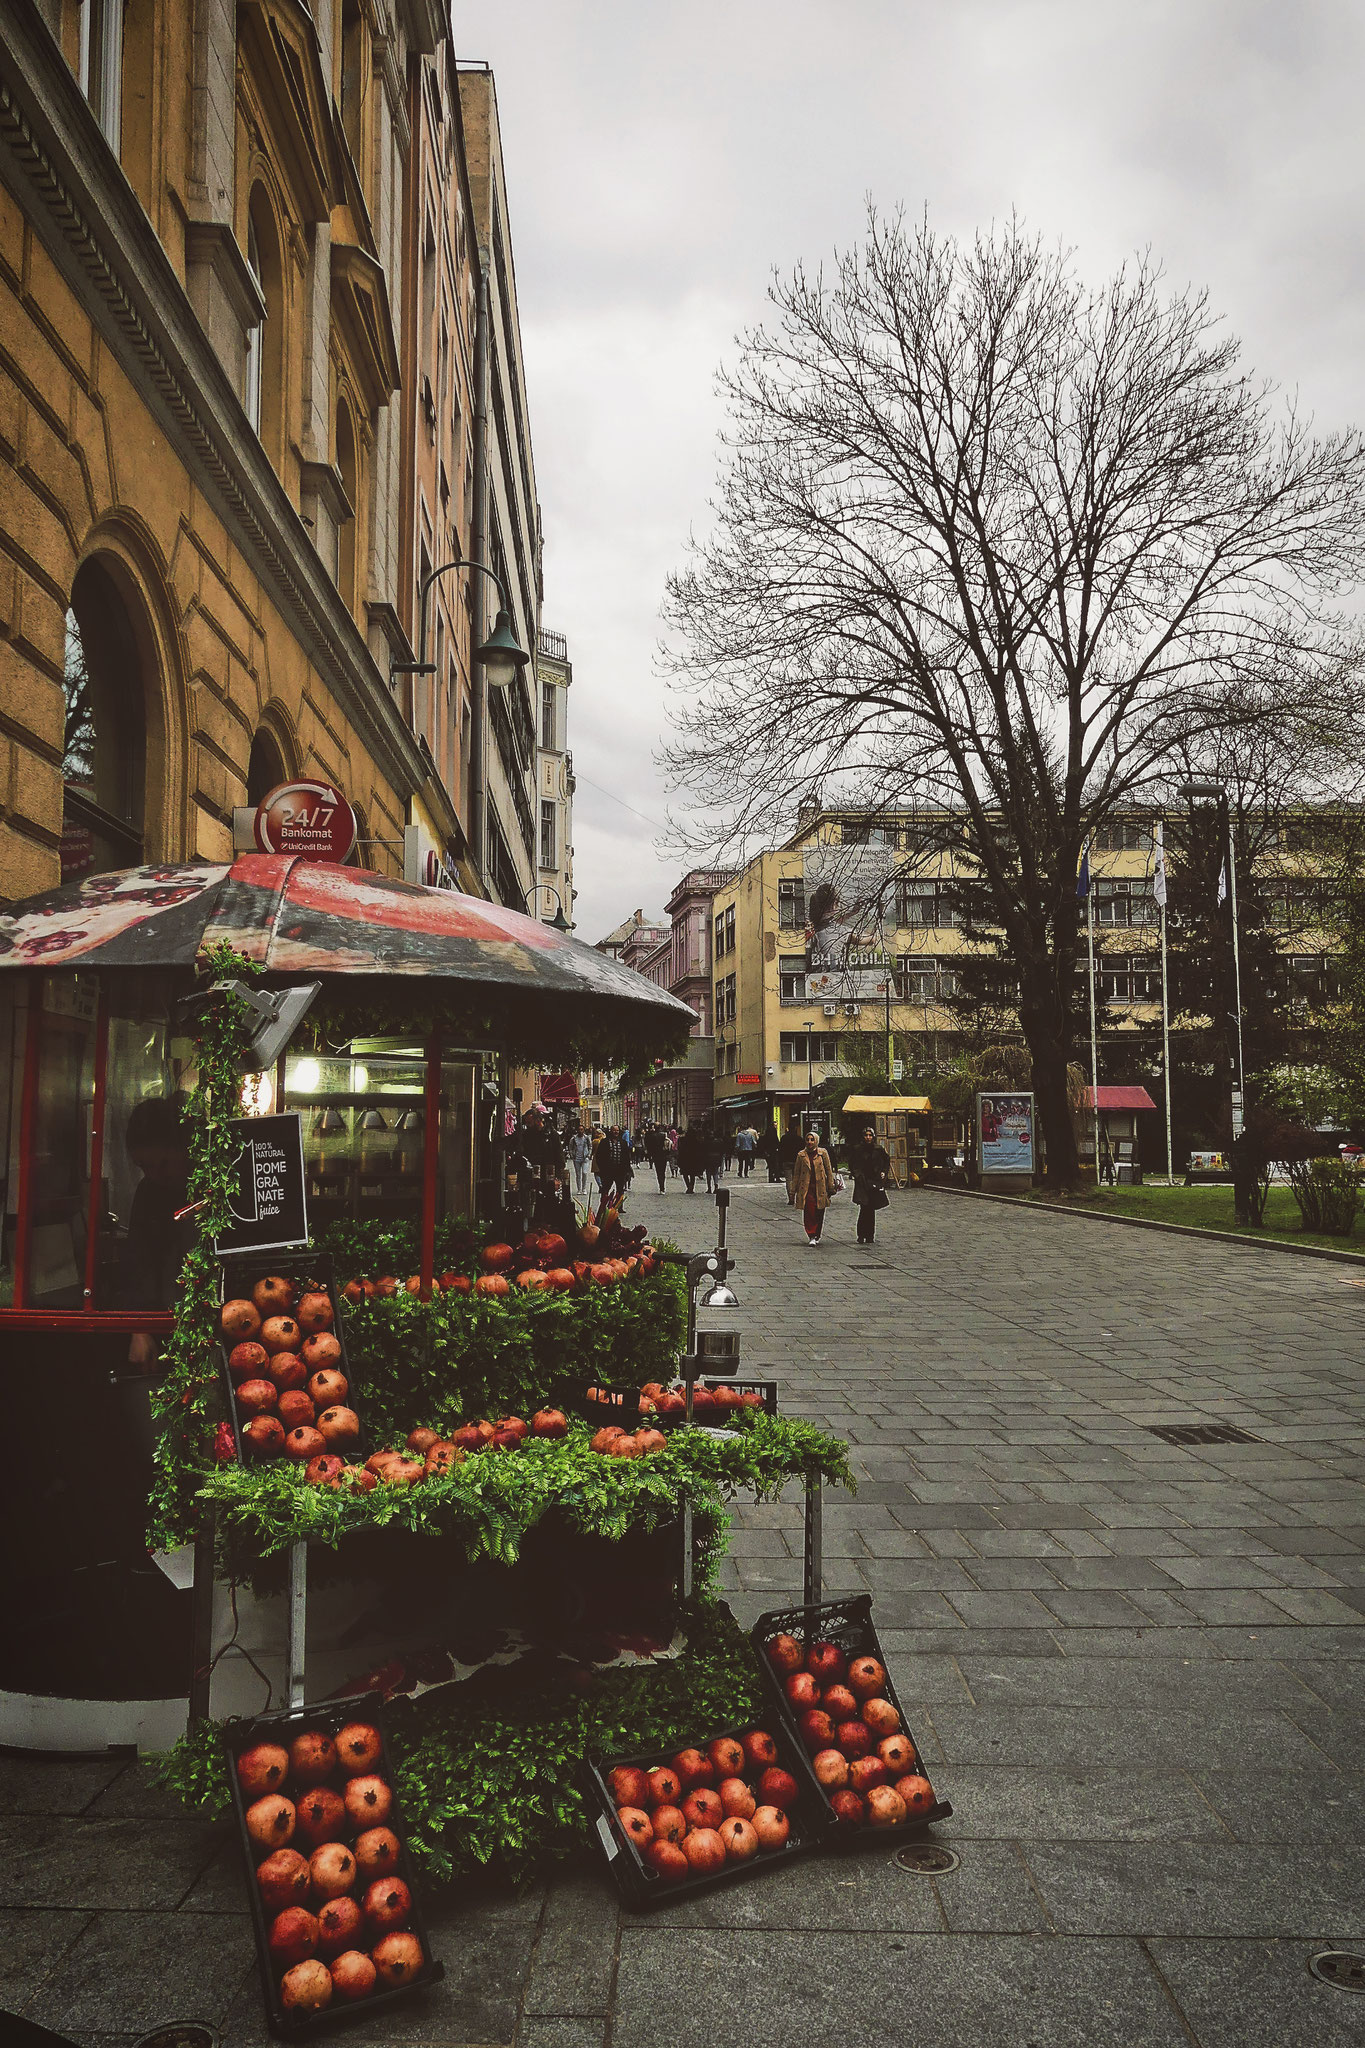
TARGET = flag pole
(1236,962)
(1094,1043)
(1165,1000)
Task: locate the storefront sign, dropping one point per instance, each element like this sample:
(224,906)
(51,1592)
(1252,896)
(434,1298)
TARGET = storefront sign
(270,1203)
(748,1080)
(311,820)
(1005,1132)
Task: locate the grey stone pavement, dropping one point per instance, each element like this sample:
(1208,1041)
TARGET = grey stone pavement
(1131,1667)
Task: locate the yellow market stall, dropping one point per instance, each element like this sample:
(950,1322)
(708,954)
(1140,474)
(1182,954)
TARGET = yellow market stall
(902,1126)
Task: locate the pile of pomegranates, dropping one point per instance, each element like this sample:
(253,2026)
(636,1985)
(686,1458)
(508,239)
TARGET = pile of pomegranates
(284,1364)
(706,1808)
(863,1761)
(668,1405)
(544,1262)
(615,1442)
(326,1867)
(427,1452)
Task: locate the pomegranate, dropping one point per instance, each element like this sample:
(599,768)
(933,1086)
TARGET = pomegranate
(736,1800)
(848,1809)
(238,1319)
(702,1808)
(273,1296)
(397,1958)
(663,1787)
(777,1788)
(306,1988)
(387,1903)
(885,1807)
(693,1769)
(332,1869)
(866,1676)
(256,1397)
(288,1371)
(355,1479)
(630,1787)
(402,1472)
(623,1446)
(312,1757)
(314,1313)
(669,1824)
(533,1280)
(650,1440)
(496,1258)
(305,1443)
(854,1738)
(421,1440)
(264,1435)
(865,1772)
(270,1821)
(280,1333)
(368,1801)
(327,1388)
(704,1851)
(442,1458)
(817,1730)
(295,1408)
(831,1769)
(320,1352)
(668,1860)
(637,1825)
(801,1690)
(881,1717)
(376,1853)
(248,1361)
(826,1663)
(353,1975)
(293,1937)
(771,1826)
(459,1283)
(283,1880)
(339,1427)
(917,1793)
(561,1279)
(321,1817)
(262,1769)
(353,1291)
(727,1755)
(467,1439)
(551,1422)
(386,1286)
(359,1747)
(897,1754)
(514,1425)
(740,1839)
(339,1924)
(492,1284)
(324,1470)
(839,1703)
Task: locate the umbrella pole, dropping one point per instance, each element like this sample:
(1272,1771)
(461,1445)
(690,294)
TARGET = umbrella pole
(431,1160)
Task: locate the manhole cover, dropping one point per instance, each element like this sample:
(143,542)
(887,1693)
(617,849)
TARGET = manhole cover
(1340,1968)
(179,2034)
(1200,1433)
(926,1859)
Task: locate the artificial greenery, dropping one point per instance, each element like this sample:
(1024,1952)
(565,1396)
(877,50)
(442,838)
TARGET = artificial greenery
(187,1403)
(489,1772)
(487,1504)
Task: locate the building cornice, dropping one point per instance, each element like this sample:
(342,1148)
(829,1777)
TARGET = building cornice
(72,189)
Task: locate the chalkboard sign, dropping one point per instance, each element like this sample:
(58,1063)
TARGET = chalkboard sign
(270,1200)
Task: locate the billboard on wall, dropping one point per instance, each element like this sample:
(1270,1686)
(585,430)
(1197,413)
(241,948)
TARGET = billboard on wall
(1004,1129)
(852,886)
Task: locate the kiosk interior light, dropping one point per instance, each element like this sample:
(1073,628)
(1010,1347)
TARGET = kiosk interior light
(307,1074)
(257,1094)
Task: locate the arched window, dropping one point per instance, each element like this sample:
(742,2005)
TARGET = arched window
(348,464)
(263,394)
(266,769)
(104,752)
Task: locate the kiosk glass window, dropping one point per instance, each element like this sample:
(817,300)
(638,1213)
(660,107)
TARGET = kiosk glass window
(364,1132)
(144,1162)
(13,1038)
(59,1165)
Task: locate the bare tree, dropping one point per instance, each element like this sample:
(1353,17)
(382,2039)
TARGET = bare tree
(993,544)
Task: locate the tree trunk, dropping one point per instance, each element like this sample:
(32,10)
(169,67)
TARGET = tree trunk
(1054,1110)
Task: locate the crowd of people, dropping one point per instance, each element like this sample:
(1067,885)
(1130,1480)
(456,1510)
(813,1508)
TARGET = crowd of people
(540,1162)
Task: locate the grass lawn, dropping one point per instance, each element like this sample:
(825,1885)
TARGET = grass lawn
(1210,1208)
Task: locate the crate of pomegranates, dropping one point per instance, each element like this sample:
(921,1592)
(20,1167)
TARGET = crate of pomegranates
(339,1932)
(718,1809)
(715,1402)
(831,1690)
(290,1389)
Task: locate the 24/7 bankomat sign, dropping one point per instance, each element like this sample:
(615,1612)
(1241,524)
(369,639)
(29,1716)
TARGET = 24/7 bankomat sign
(311,820)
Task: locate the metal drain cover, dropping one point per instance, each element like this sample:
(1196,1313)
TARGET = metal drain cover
(1339,1968)
(926,1859)
(1200,1433)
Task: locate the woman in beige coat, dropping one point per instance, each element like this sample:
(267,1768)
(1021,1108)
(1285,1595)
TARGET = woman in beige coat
(813,1185)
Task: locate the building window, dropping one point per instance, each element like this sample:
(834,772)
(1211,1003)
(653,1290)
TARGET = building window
(547,716)
(263,382)
(104,746)
(858,832)
(352,84)
(924,904)
(796,1046)
(1129,978)
(791,977)
(1122,835)
(1124,904)
(251,394)
(346,540)
(1313,978)
(791,903)
(101,64)
(548,835)
(725,932)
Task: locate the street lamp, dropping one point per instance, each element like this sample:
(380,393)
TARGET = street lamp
(810,1068)
(557,923)
(502,655)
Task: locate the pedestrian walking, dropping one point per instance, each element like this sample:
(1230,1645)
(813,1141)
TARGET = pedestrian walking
(871,1163)
(673,1151)
(580,1155)
(691,1157)
(715,1160)
(813,1185)
(744,1150)
(656,1146)
(767,1152)
(604,1164)
(788,1146)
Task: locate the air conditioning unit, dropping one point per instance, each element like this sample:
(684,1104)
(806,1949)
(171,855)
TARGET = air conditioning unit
(853,1009)
(831,1009)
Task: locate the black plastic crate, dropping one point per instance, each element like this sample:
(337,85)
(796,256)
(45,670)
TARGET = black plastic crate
(329,1716)
(848,1624)
(622,1404)
(743,1383)
(312,1273)
(640,1887)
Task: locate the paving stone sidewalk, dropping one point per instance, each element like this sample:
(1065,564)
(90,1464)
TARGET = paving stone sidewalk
(1132,1666)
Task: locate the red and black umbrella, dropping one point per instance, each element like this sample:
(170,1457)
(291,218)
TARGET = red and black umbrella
(390,955)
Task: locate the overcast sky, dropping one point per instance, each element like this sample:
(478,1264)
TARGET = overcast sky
(663,158)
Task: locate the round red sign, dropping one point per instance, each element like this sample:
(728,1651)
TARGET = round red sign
(309,819)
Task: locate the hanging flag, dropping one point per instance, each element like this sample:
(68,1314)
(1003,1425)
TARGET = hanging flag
(1159,867)
(1223,883)
(1083,873)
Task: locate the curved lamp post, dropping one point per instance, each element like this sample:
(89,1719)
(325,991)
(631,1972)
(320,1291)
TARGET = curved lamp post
(557,923)
(502,655)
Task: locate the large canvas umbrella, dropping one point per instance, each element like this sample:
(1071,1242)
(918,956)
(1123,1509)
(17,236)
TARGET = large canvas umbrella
(390,955)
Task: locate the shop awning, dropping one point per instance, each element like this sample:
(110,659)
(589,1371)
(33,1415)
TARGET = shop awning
(1118,1098)
(886,1105)
(560,1088)
(391,955)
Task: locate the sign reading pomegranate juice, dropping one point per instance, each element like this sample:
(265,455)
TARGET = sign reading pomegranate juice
(1005,1129)
(309,819)
(270,1201)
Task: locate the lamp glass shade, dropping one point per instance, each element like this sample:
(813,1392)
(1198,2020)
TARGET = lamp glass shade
(502,654)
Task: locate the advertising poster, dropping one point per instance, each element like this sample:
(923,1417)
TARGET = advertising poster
(1005,1129)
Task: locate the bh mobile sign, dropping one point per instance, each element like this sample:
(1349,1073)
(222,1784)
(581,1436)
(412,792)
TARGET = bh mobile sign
(311,820)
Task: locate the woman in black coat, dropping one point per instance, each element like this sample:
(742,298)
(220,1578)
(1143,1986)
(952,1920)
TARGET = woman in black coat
(871,1163)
